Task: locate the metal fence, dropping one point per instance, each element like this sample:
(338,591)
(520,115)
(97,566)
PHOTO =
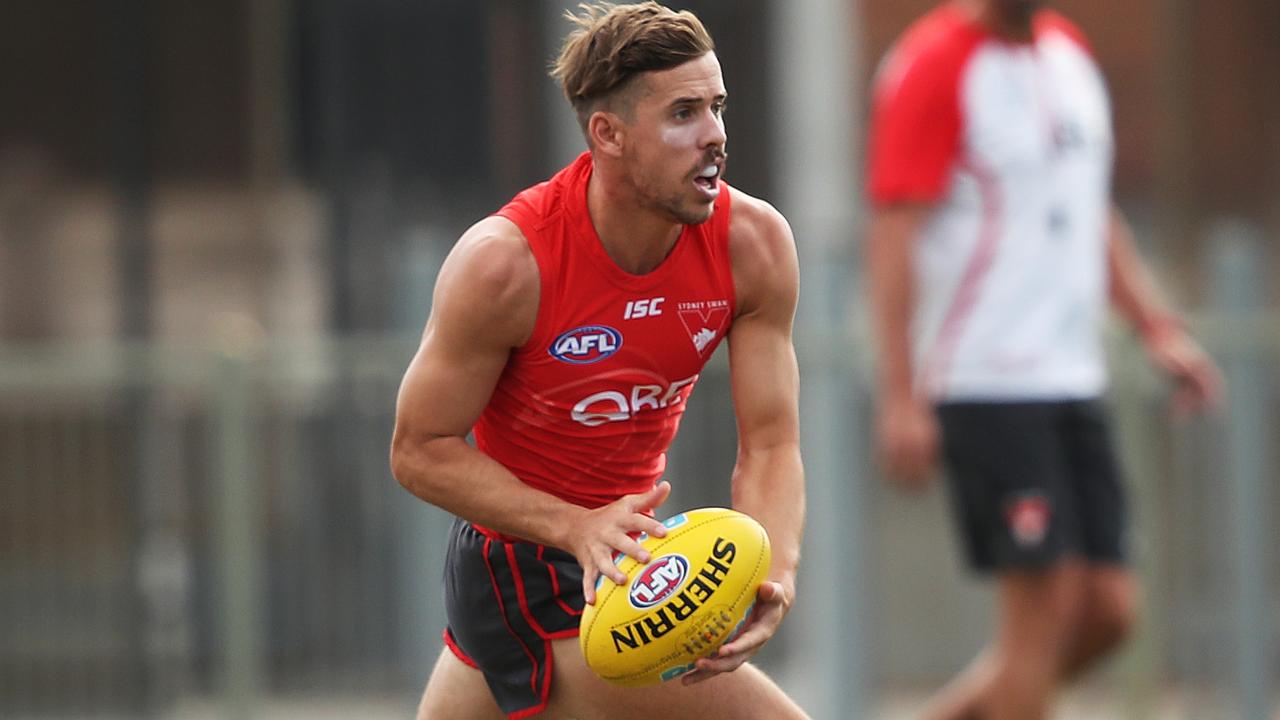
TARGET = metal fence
(206,521)
(218,524)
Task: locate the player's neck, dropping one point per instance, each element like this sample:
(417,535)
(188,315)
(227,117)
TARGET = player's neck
(1014,25)
(636,239)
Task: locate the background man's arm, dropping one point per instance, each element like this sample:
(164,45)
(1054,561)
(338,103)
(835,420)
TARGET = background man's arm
(906,428)
(1198,384)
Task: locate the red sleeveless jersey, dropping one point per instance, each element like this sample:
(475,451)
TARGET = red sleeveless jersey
(587,408)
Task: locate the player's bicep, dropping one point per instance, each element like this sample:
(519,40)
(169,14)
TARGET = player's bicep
(484,306)
(446,386)
(765,382)
(765,379)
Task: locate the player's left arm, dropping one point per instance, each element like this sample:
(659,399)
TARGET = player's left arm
(1198,384)
(768,479)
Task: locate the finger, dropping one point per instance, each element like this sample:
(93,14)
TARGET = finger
(625,544)
(748,642)
(762,625)
(607,567)
(1210,383)
(652,527)
(771,592)
(1194,392)
(765,618)
(638,523)
(695,677)
(722,663)
(652,498)
(589,576)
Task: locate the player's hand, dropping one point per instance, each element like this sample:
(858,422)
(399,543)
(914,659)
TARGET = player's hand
(1197,381)
(609,529)
(773,600)
(907,433)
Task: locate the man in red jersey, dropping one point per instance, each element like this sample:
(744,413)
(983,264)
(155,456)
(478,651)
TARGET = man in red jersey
(567,332)
(993,252)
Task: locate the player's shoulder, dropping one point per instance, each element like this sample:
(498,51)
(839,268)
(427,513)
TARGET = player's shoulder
(493,260)
(940,28)
(931,51)
(757,228)
(762,249)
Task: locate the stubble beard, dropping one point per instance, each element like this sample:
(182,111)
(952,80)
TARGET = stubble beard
(688,216)
(676,207)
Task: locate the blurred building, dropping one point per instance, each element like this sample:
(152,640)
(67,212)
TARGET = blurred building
(265,156)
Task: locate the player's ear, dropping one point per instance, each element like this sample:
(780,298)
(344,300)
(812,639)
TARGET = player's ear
(606,132)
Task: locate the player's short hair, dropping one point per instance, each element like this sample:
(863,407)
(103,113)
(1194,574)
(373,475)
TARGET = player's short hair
(614,44)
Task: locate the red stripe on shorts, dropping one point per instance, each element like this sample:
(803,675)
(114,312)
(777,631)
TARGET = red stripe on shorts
(545,695)
(555,586)
(524,601)
(493,579)
(457,651)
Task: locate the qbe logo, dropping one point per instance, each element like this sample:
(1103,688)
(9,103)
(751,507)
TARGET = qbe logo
(659,581)
(585,345)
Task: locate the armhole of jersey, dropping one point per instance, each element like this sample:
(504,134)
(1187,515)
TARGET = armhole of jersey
(513,213)
(720,233)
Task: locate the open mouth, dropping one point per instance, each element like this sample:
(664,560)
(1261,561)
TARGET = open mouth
(708,179)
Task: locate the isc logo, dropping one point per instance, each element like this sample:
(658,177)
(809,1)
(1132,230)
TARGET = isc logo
(586,344)
(651,307)
(659,581)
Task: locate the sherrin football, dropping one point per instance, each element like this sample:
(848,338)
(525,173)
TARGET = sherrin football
(693,596)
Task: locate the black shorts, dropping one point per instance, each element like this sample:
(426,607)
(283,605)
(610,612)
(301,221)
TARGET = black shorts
(506,601)
(1033,482)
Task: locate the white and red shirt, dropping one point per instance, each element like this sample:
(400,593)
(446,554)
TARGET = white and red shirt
(587,408)
(1011,144)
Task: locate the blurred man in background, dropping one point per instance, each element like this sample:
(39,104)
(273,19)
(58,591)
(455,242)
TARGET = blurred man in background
(994,248)
(567,332)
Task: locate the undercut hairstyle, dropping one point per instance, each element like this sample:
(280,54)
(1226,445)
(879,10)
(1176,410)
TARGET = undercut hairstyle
(614,45)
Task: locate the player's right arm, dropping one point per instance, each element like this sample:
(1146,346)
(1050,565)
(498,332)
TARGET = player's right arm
(915,138)
(906,428)
(484,306)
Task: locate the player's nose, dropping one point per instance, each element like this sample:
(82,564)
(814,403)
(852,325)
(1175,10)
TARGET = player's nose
(713,133)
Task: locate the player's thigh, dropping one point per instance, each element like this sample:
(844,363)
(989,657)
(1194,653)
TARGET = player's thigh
(1111,597)
(744,694)
(1040,609)
(457,691)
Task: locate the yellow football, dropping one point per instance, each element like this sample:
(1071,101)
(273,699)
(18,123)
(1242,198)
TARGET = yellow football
(693,595)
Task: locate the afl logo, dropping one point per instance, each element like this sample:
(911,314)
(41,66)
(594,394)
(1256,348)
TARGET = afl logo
(586,344)
(659,581)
